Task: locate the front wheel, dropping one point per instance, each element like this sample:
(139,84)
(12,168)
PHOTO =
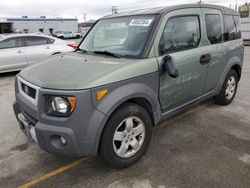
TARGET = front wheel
(228,89)
(126,136)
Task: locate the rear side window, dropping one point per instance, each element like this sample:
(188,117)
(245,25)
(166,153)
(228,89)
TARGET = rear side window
(181,33)
(34,41)
(232,27)
(11,43)
(214,28)
(51,41)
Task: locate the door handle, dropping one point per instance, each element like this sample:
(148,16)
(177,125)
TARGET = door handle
(48,48)
(205,59)
(20,51)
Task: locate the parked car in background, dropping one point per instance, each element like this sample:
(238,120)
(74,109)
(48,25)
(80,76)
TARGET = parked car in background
(17,51)
(67,35)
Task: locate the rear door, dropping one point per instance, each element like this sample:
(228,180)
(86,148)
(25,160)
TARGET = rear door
(12,54)
(214,36)
(182,32)
(37,48)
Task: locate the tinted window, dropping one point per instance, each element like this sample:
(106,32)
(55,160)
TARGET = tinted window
(181,33)
(11,43)
(33,41)
(51,41)
(214,28)
(232,27)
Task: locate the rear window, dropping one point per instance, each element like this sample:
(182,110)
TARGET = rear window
(214,28)
(232,27)
(34,41)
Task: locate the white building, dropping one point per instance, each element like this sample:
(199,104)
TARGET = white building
(43,25)
(245,28)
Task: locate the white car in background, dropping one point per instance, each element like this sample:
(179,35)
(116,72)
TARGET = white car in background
(67,35)
(18,51)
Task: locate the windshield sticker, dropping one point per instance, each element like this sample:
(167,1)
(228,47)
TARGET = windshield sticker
(141,22)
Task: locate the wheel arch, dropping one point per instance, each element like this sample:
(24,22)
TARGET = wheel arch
(138,93)
(237,68)
(234,63)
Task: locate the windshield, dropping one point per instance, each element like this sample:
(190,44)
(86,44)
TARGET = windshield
(124,36)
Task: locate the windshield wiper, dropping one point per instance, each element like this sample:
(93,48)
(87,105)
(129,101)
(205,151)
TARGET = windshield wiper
(108,53)
(81,50)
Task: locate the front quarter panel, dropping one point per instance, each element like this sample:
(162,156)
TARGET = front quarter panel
(145,86)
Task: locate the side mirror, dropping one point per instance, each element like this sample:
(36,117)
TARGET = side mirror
(169,65)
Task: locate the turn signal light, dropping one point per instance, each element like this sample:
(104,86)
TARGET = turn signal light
(72,102)
(100,94)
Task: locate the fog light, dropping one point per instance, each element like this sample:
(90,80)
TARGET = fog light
(63,141)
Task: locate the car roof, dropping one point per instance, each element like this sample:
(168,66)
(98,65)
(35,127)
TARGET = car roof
(166,9)
(22,35)
(5,36)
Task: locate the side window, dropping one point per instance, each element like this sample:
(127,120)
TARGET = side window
(232,27)
(214,28)
(51,41)
(181,33)
(11,43)
(34,41)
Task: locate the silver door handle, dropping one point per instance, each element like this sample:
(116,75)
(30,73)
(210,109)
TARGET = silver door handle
(48,48)
(20,51)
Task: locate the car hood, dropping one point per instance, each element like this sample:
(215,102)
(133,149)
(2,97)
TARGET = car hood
(82,71)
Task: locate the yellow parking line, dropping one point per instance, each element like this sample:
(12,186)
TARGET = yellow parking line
(76,163)
(53,173)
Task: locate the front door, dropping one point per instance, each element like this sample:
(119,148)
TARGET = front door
(181,32)
(12,54)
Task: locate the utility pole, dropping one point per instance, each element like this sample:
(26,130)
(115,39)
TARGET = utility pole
(114,10)
(199,1)
(84,17)
(236,5)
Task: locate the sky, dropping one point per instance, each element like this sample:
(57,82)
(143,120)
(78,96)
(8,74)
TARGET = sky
(94,9)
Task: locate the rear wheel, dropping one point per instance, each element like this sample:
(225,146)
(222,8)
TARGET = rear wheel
(228,90)
(126,136)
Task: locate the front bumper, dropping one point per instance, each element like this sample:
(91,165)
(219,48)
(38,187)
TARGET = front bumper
(48,137)
(81,131)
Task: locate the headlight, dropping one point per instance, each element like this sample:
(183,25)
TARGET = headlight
(59,105)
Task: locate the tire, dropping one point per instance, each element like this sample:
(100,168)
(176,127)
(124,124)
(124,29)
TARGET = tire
(112,148)
(78,36)
(61,37)
(228,89)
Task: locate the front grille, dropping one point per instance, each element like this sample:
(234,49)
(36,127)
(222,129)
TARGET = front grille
(28,90)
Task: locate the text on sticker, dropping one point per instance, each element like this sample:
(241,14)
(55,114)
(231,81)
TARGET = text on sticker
(141,22)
